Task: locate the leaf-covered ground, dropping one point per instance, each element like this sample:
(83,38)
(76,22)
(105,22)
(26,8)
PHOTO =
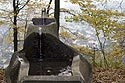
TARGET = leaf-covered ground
(1,75)
(100,75)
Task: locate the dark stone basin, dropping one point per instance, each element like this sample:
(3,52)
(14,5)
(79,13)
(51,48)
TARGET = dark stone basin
(54,54)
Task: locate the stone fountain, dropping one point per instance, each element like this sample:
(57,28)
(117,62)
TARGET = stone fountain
(45,59)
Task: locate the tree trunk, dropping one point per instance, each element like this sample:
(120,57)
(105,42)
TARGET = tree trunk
(15,26)
(104,58)
(15,34)
(16,9)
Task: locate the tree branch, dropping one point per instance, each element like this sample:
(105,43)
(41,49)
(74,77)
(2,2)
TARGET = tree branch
(24,5)
(120,5)
(65,11)
(48,8)
(68,12)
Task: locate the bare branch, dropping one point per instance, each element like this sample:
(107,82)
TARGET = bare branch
(76,35)
(120,5)
(24,5)
(4,10)
(48,8)
(68,12)
(65,11)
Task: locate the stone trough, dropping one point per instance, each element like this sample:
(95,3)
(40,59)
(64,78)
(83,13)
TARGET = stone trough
(45,59)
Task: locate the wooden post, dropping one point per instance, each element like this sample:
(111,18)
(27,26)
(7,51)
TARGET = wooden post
(57,12)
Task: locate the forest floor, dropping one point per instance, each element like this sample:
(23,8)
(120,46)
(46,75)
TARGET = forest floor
(100,75)
(108,75)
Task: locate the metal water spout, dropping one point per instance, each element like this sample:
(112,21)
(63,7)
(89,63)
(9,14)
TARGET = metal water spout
(43,15)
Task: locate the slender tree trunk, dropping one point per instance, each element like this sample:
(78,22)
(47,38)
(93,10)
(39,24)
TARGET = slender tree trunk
(15,34)
(105,60)
(16,9)
(57,12)
(15,26)
(102,50)
(94,63)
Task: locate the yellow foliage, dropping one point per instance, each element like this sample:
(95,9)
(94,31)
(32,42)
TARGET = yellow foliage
(13,26)
(83,50)
(65,34)
(81,37)
(74,38)
(9,37)
(1,22)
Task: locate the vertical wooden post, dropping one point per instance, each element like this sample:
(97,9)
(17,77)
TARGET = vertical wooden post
(57,12)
